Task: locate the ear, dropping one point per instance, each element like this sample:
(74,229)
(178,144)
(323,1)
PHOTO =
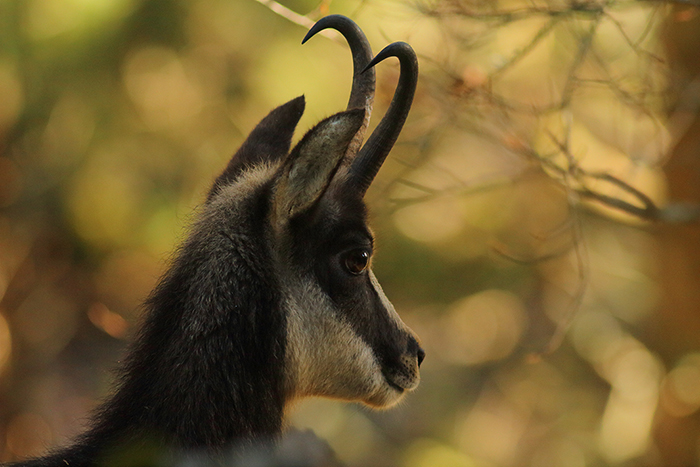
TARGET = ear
(268,142)
(308,170)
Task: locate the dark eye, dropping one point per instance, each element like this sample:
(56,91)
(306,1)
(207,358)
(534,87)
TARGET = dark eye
(355,261)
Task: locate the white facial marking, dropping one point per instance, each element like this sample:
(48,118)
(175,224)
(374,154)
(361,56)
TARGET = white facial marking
(325,356)
(409,376)
(387,304)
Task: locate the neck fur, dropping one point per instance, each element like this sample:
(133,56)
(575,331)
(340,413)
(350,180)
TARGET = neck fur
(206,370)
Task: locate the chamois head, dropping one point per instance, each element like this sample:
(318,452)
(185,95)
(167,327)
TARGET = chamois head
(271,297)
(343,337)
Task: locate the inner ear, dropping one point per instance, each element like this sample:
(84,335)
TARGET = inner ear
(308,170)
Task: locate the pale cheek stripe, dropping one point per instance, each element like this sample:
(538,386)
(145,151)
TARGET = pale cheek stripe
(325,355)
(385,301)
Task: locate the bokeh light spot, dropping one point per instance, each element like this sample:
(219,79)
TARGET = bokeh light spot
(28,434)
(483,327)
(431,221)
(46,320)
(110,322)
(11,96)
(682,386)
(104,201)
(5,343)
(425,452)
(157,82)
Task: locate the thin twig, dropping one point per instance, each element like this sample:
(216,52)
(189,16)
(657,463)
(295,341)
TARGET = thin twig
(520,54)
(298,19)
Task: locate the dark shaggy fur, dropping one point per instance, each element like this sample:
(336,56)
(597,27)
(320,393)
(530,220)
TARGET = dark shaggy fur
(205,371)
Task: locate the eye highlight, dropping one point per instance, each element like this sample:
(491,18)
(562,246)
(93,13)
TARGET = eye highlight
(355,261)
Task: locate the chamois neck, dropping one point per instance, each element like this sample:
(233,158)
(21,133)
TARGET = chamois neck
(205,371)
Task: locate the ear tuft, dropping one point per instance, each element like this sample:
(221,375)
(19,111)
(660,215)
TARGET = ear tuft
(268,142)
(310,167)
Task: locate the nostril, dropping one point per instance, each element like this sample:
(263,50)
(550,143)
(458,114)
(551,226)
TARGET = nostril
(421,355)
(415,349)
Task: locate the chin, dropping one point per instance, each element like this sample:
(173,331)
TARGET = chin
(385,397)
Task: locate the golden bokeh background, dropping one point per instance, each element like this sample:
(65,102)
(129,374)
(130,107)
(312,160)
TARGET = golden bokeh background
(537,221)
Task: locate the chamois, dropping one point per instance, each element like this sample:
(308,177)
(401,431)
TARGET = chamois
(271,297)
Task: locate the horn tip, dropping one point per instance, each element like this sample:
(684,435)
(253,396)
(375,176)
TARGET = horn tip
(324,23)
(309,35)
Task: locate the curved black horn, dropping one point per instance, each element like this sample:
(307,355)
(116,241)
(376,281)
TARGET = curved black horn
(363,84)
(367,163)
(362,94)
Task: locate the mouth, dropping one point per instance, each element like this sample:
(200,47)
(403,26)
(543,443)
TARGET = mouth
(394,386)
(400,382)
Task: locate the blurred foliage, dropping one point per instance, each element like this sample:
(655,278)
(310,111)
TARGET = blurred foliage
(525,219)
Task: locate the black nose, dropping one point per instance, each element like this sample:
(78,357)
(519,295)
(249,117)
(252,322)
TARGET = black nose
(414,347)
(420,355)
